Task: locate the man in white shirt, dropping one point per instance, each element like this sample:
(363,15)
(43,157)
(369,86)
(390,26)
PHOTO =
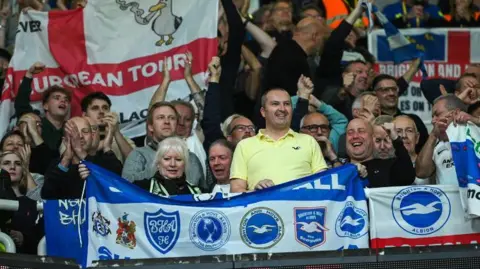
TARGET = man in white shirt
(220,159)
(436,155)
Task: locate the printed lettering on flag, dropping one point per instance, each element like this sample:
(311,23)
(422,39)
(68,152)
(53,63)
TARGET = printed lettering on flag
(465,143)
(419,216)
(447,53)
(326,211)
(117,47)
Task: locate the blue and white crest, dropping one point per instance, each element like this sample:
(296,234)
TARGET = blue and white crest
(101,225)
(261,228)
(310,229)
(163,229)
(352,222)
(209,230)
(421,210)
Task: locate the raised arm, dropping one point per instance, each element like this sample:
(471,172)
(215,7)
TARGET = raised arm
(22,100)
(255,74)
(195,90)
(266,42)
(161,91)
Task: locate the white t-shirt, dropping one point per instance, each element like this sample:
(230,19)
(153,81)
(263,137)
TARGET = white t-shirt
(445,173)
(196,147)
(222,188)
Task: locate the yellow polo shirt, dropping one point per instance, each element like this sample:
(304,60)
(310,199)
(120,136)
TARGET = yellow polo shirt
(291,157)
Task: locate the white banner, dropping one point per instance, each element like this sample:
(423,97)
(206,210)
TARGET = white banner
(419,216)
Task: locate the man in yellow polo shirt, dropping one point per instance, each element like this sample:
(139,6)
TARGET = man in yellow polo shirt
(276,154)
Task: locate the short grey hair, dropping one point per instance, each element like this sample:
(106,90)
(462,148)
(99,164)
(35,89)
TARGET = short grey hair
(452,102)
(176,144)
(226,126)
(357,103)
(380,120)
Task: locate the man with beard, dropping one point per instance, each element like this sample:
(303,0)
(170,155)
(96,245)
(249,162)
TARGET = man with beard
(407,130)
(382,144)
(381,173)
(355,79)
(161,123)
(62,180)
(276,154)
(386,89)
(219,159)
(55,102)
(436,155)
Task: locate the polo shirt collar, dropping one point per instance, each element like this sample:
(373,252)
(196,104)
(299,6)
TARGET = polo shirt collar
(263,136)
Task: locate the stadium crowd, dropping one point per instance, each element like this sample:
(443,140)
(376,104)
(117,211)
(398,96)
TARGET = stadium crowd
(292,92)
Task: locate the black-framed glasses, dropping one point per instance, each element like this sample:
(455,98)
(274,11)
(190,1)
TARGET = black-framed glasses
(314,127)
(243,128)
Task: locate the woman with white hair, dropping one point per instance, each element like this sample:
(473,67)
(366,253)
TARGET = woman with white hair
(171,160)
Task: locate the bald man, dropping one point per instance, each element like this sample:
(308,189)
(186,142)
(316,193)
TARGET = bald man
(398,171)
(62,180)
(288,60)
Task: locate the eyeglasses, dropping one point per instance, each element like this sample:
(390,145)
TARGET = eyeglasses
(314,127)
(387,89)
(94,128)
(407,131)
(243,128)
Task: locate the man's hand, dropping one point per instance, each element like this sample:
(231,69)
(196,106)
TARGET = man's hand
(348,79)
(391,131)
(366,115)
(165,71)
(112,119)
(76,140)
(305,87)
(107,142)
(372,104)
(329,153)
(36,68)
(440,127)
(83,171)
(215,69)
(264,184)
(442,89)
(188,65)
(362,170)
(68,154)
(25,152)
(463,117)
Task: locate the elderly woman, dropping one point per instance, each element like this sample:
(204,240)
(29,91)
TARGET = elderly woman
(23,226)
(171,160)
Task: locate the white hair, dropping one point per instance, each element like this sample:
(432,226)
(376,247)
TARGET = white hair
(226,125)
(175,144)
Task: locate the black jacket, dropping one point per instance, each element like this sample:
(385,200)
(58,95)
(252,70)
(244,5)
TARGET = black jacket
(68,185)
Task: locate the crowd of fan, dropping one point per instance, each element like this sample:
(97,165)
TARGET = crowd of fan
(284,101)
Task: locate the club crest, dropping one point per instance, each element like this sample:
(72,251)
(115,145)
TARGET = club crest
(163,229)
(310,229)
(126,232)
(352,222)
(261,228)
(165,24)
(209,230)
(101,225)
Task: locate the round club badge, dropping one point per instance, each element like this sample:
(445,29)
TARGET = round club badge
(421,210)
(209,230)
(261,228)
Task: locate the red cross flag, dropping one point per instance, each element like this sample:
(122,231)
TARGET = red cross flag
(117,47)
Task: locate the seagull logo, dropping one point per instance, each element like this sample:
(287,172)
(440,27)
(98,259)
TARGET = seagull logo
(420,209)
(261,230)
(312,227)
(349,220)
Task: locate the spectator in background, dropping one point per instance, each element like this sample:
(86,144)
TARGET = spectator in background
(162,123)
(30,125)
(220,159)
(463,13)
(382,144)
(96,106)
(289,155)
(398,171)
(5,58)
(407,130)
(62,180)
(312,11)
(436,155)
(22,226)
(56,104)
(414,14)
(12,141)
(387,91)
(281,19)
